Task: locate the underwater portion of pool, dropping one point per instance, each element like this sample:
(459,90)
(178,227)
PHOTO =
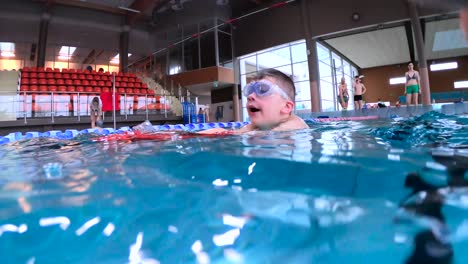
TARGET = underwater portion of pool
(377,191)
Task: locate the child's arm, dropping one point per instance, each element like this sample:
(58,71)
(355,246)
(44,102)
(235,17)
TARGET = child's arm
(364,89)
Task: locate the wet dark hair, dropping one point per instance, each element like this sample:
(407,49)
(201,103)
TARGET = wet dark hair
(95,100)
(284,81)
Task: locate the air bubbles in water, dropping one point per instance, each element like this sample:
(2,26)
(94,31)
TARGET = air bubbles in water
(53,170)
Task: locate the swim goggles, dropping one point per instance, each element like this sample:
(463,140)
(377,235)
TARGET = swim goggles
(263,88)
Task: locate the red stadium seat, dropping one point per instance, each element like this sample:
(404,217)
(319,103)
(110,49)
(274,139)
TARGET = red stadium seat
(52,88)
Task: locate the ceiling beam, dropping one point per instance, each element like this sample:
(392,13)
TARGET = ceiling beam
(87,5)
(142,6)
(409,38)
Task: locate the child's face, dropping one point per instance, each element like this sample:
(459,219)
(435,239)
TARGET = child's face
(270,110)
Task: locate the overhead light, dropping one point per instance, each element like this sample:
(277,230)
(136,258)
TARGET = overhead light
(444,66)
(460,84)
(129,9)
(397,80)
(356,16)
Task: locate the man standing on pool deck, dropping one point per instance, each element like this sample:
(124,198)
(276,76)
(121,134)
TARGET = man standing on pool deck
(359,90)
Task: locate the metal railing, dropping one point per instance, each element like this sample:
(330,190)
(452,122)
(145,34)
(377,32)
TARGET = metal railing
(33,105)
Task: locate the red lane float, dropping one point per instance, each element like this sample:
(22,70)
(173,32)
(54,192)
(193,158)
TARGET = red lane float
(158,136)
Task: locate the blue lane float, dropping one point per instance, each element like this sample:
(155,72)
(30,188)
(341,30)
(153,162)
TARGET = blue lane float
(71,133)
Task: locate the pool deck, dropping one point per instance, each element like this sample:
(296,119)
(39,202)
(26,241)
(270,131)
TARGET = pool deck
(392,112)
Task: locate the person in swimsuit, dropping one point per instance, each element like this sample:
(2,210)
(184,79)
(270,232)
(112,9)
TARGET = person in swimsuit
(343,96)
(359,90)
(412,85)
(96,113)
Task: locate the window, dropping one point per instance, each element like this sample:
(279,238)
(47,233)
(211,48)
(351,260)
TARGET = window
(460,84)
(66,52)
(116,59)
(7,49)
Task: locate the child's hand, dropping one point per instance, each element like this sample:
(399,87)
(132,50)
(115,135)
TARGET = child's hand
(213,131)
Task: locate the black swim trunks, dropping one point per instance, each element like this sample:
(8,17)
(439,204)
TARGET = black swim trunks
(358,97)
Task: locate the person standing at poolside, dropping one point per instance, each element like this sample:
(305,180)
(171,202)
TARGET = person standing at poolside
(412,85)
(96,112)
(343,95)
(359,90)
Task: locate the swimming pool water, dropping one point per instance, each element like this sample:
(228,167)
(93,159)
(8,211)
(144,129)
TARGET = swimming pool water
(334,193)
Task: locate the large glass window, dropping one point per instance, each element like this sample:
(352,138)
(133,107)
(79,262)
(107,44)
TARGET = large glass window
(332,67)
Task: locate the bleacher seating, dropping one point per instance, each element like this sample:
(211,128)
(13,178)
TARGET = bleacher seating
(75,81)
(35,81)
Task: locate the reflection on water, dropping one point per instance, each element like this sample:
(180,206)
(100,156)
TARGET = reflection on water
(379,191)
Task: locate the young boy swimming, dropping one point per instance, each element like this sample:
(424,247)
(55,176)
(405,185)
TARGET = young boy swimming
(270,104)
